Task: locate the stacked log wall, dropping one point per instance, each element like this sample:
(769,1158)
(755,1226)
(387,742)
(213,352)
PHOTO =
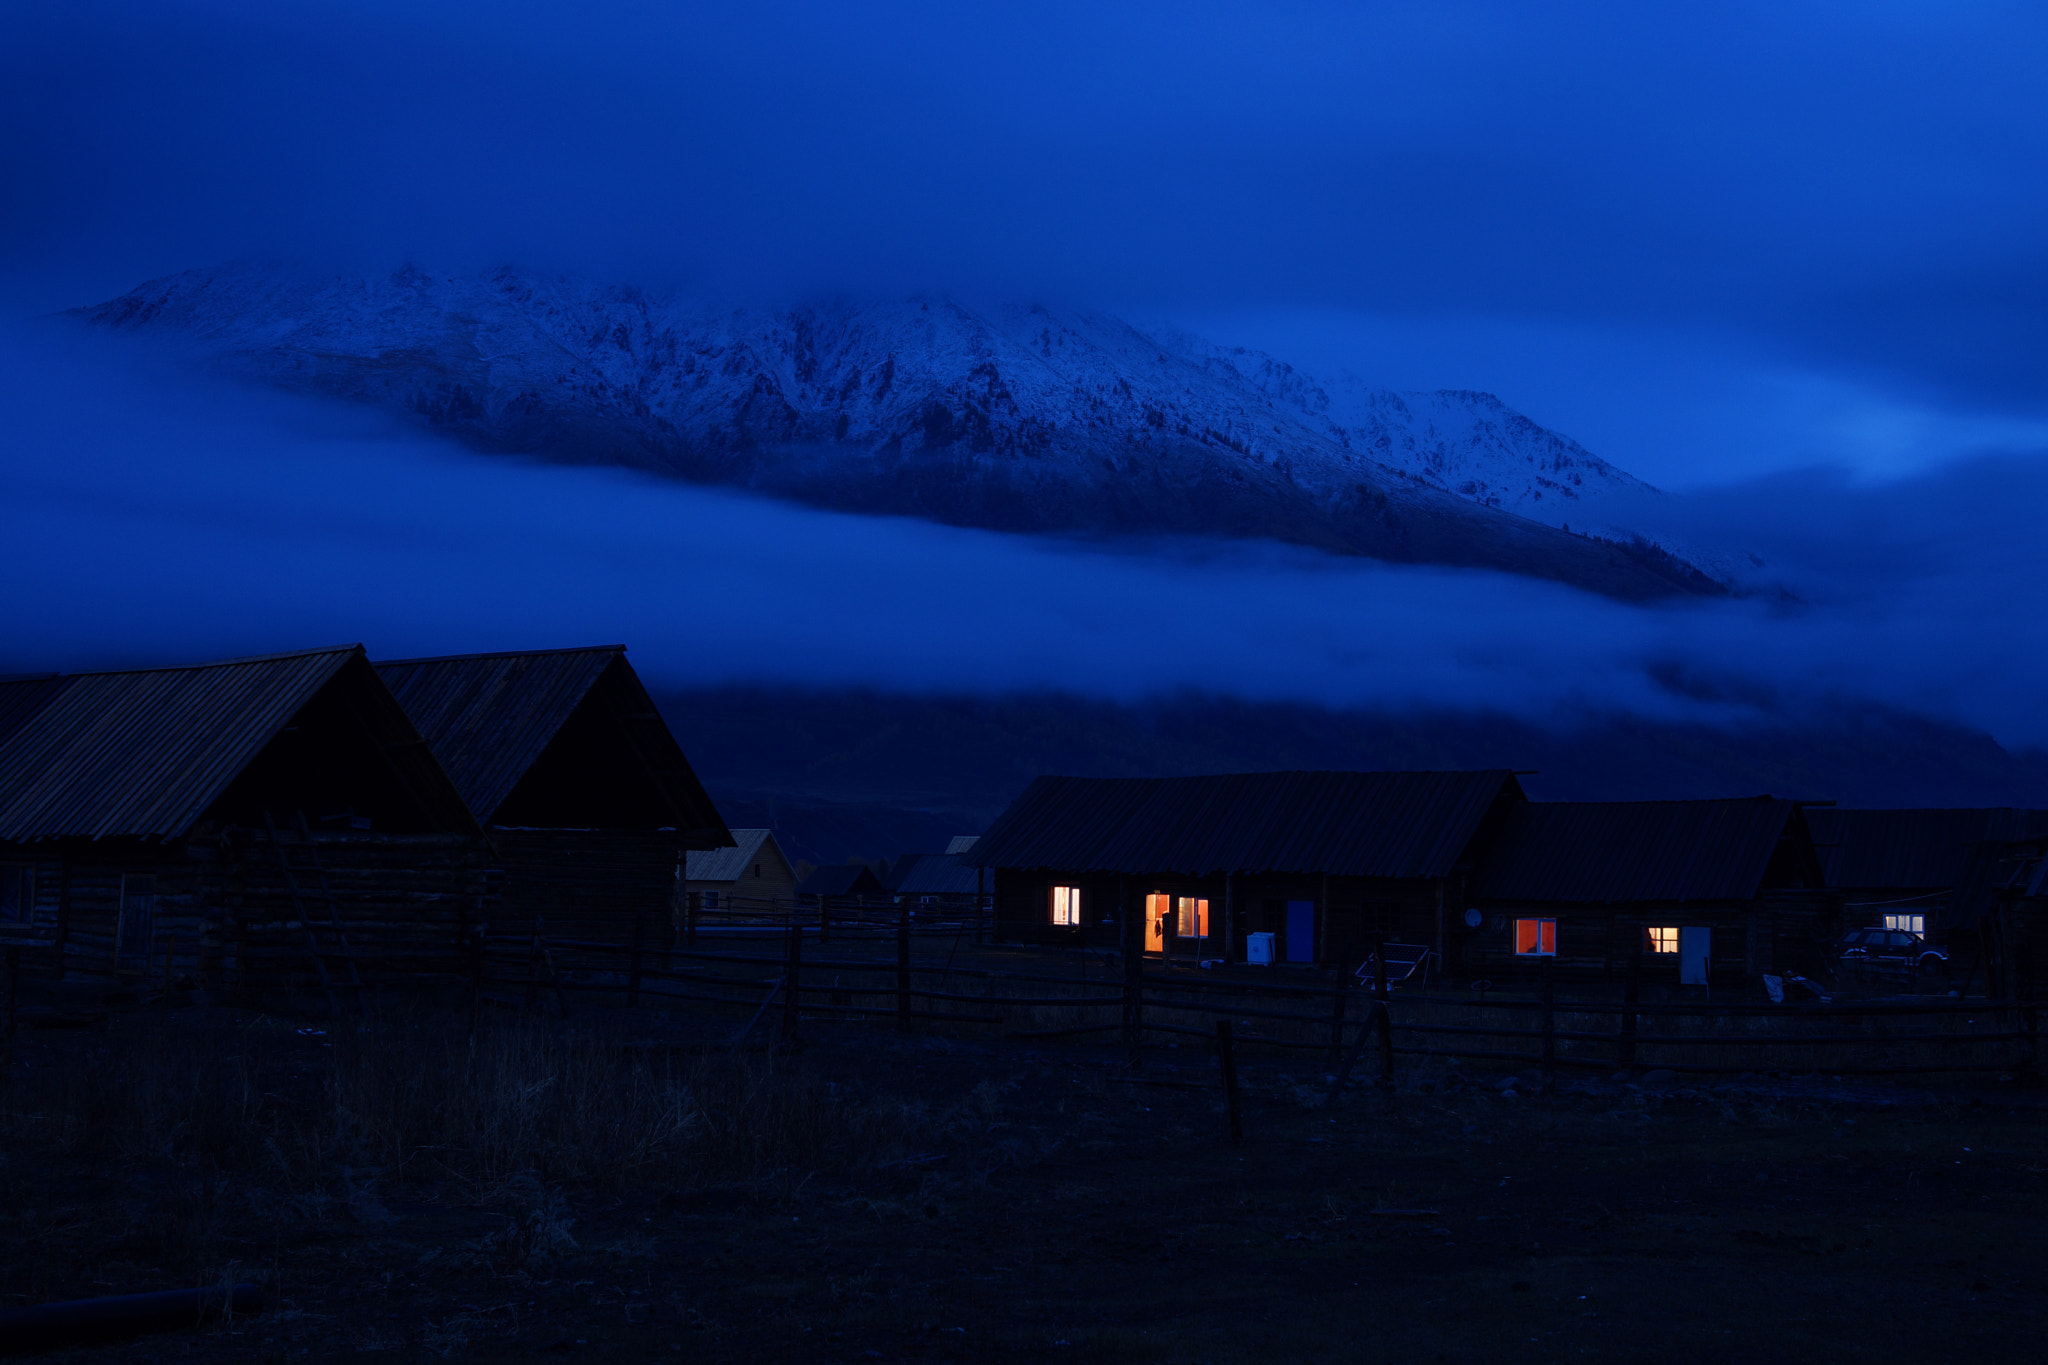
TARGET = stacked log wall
(592,885)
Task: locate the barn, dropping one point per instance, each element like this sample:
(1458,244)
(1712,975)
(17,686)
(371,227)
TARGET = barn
(563,758)
(1683,892)
(1323,862)
(751,875)
(257,825)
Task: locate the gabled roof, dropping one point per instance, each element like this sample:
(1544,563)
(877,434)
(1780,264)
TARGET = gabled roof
(900,869)
(1605,852)
(1895,849)
(727,864)
(1341,824)
(851,879)
(490,717)
(144,753)
(941,874)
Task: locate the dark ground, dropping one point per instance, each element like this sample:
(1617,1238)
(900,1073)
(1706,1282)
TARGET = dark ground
(1050,1204)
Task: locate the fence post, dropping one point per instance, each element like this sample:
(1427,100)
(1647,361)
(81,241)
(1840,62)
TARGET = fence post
(477,947)
(824,917)
(792,983)
(1625,1042)
(1549,1028)
(533,968)
(691,904)
(1379,970)
(633,971)
(903,965)
(1134,973)
(13,993)
(1385,1015)
(1337,1007)
(1227,1056)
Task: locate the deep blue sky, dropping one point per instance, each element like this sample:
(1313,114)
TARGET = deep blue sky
(1717,243)
(1775,232)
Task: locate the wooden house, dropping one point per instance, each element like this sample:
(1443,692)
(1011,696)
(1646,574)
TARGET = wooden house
(942,881)
(584,792)
(1683,892)
(1322,862)
(260,824)
(850,881)
(752,874)
(1899,869)
(1997,916)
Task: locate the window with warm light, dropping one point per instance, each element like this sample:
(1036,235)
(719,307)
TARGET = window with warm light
(1066,905)
(1193,918)
(1536,938)
(1912,924)
(1158,907)
(1661,940)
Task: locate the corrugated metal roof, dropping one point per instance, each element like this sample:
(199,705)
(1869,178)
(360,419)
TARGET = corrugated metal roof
(725,864)
(1604,852)
(144,753)
(1341,824)
(489,717)
(1895,849)
(961,843)
(941,874)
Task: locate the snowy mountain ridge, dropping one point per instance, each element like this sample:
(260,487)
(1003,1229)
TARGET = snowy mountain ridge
(1017,417)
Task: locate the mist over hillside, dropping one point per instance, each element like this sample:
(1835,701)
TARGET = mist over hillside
(859,774)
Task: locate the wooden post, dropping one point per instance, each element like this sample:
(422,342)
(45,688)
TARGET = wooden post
(1385,1015)
(1379,967)
(477,947)
(1625,1044)
(1134,972)
(792,983)
(633,969)
(1322,938)
(1226,1055)
(692,903)
(1342,998)
(824,917)
(1229,953)
(903,966)
(163,999)
(980,902)
(533,968)
(13,993)
(1549,1027)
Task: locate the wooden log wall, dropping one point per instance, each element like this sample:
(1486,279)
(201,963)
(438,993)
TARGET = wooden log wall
(588,884)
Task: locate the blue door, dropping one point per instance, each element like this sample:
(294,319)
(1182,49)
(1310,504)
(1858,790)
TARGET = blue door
(1301,931)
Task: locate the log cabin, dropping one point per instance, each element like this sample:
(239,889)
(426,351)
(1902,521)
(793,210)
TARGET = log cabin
(751,875)
(1680,892)
(1324,863)
(1899,869)
(261,825)
(562,757)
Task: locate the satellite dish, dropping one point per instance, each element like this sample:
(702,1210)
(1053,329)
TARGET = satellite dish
(1473,918)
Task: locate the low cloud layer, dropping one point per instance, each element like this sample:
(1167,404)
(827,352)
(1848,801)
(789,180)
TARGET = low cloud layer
(155,517)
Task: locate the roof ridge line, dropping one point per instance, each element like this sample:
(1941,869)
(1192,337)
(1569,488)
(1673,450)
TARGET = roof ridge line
(187,668)
(499,654)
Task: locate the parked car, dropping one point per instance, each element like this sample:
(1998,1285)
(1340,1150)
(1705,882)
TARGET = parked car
(1890,948)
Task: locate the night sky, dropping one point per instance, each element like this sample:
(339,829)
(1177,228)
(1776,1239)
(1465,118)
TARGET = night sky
(1788,260)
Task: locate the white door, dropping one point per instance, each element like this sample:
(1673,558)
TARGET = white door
(1694,947)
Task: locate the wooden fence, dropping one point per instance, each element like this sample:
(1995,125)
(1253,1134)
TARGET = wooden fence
(811,972)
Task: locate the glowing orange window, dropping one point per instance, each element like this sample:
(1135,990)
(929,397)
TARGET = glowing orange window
(1536,937)
(1193,918)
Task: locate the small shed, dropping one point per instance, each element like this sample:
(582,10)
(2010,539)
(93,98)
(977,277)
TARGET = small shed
(845,882)
(751,875)
(563,757)
(254,824)
(1690,892)
(1324,862)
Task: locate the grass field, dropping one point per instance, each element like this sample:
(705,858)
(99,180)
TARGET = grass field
(604,1191)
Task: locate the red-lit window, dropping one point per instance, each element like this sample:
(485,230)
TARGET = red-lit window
(1536,938)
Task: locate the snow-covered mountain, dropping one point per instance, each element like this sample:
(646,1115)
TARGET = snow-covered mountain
(1018,418)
